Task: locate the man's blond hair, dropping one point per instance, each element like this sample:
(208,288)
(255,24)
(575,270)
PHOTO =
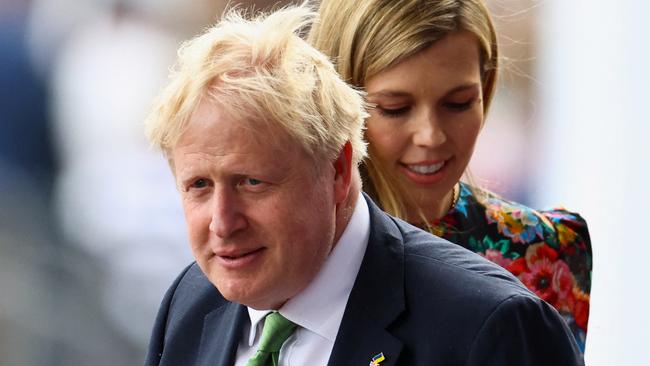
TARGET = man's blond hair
(260,70)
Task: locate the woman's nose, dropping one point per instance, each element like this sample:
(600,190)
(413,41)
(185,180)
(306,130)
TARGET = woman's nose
(428,131)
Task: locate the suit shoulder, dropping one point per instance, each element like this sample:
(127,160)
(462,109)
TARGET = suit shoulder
(434,264)
(513,331)
(465,297)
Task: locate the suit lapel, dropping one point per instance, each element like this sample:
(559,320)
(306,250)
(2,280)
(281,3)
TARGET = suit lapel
(376,300)
(357,345)
(221,333)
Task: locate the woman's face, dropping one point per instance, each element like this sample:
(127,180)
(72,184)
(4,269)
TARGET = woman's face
(429,111)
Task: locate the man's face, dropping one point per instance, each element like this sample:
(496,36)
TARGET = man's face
(261,218)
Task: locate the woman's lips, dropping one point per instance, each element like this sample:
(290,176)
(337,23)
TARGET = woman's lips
(425,168)
(425,172)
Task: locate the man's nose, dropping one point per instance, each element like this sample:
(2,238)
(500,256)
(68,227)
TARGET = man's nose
(428,131)
(227,215)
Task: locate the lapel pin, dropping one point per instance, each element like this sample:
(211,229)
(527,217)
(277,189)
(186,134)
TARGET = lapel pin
(377,359)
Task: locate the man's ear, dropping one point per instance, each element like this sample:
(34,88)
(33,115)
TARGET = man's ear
(343,173)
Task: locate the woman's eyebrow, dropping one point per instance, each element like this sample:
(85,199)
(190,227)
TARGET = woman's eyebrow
(388,93)
(464,87)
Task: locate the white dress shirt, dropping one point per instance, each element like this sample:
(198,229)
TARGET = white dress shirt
(319,308)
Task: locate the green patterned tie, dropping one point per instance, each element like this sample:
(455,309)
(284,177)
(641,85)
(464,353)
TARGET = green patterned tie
(276,330)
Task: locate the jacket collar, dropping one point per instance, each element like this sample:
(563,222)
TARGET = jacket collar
(222,330)
(376,300)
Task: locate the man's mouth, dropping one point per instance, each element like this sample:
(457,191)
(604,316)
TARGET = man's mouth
(239,259)
(235,256)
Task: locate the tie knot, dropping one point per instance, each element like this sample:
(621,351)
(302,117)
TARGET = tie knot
(276,330)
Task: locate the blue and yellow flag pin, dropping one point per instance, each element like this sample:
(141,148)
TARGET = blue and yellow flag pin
(377,359)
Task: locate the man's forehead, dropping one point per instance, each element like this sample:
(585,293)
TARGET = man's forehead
(239,158)
(220,135)
(214,118)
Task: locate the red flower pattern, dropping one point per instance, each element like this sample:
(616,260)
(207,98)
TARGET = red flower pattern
(549,251)
(551,279)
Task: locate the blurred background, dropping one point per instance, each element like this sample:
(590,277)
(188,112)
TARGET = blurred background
(91,229)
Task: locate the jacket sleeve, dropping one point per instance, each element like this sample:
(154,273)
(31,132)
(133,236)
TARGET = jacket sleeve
(524,331)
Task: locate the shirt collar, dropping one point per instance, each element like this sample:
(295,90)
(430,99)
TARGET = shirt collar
(331,286)
(255,317)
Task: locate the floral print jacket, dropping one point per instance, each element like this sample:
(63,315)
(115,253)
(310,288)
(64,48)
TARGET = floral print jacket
(549,251)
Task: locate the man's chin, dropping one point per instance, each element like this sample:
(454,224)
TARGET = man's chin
(253,296)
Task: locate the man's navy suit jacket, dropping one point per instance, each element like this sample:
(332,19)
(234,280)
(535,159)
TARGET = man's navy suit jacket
(418,299)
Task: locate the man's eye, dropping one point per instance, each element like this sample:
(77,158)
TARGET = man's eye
(253,184)
(199,183)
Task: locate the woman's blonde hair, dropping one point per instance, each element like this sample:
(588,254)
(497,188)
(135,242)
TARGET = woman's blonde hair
(262,70)
(366,37)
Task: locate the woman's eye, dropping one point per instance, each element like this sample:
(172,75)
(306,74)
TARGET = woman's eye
(459,106)
(393,112)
